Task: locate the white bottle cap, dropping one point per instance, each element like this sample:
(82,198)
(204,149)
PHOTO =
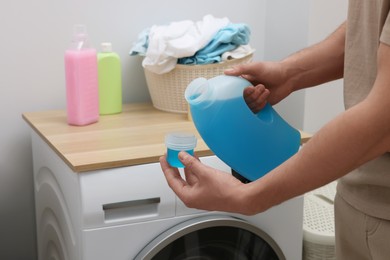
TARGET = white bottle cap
(180,141)
(106,47)
(80,37)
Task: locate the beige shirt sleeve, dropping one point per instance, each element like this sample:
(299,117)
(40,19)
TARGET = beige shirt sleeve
(385,34)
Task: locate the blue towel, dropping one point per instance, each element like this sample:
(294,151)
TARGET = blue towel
(141,45)
(226,39)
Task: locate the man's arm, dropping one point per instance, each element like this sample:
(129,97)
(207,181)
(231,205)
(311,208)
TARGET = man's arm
(317,64)
(351,139)
(356,136)
(314,65)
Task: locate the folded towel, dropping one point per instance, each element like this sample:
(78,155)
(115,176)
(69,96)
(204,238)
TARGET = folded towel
(213,56)
(226,39)
(167,43)
(239,52)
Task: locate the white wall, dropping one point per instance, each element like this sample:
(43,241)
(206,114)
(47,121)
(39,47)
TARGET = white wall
(34,37)
(324,102)
(286,33)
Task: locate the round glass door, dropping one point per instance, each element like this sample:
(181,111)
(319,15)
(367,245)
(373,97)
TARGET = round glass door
(213,238)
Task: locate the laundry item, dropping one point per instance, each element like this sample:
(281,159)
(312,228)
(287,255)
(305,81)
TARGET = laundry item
(238,53)
(142,43)
(188,42)
(226,39)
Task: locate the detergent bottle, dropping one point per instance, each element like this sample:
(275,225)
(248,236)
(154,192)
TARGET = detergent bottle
(251,144)
(81,75)
(110,80)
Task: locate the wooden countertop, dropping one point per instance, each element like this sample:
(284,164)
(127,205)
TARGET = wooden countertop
(135,136)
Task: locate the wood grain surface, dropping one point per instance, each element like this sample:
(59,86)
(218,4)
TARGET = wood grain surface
(135,136)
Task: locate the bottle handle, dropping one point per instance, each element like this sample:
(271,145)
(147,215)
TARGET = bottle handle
(266,114)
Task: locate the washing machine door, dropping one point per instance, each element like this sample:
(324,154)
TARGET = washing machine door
(212,238)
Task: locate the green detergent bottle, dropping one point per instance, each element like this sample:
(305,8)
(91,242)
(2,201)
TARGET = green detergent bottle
(110,81)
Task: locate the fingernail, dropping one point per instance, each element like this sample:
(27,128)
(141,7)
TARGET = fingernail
(249,90)
(183,155)
(230,70)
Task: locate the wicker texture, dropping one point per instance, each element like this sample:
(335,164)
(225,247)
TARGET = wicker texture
(318,224)
(167,90)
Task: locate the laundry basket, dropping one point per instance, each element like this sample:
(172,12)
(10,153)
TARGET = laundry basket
(167,90)
(318,224)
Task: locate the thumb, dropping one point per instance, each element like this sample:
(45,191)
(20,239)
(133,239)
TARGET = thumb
(191,163)
(242,69)
(234,71)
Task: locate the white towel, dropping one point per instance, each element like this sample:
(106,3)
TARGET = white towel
(240,52)
(167,43)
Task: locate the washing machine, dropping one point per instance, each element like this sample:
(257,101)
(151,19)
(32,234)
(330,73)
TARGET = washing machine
(131,213)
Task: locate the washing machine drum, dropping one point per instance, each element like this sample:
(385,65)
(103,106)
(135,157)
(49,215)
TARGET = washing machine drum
(212,238)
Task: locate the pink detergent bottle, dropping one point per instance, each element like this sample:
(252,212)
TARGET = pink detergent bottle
(82,96)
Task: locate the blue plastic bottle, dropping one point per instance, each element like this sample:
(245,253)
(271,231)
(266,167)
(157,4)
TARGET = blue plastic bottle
(251,144)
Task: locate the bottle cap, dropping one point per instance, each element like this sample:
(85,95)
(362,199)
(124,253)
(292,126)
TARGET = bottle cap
(80,37)
(106,47)
(180,141)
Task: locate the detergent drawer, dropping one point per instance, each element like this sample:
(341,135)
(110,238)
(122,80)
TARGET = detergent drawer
(125,195)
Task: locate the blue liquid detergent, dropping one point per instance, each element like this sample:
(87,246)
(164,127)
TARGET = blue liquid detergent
(173,159)
(251,144)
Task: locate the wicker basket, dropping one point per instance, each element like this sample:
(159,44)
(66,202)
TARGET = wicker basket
(167,90)
(318,224)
